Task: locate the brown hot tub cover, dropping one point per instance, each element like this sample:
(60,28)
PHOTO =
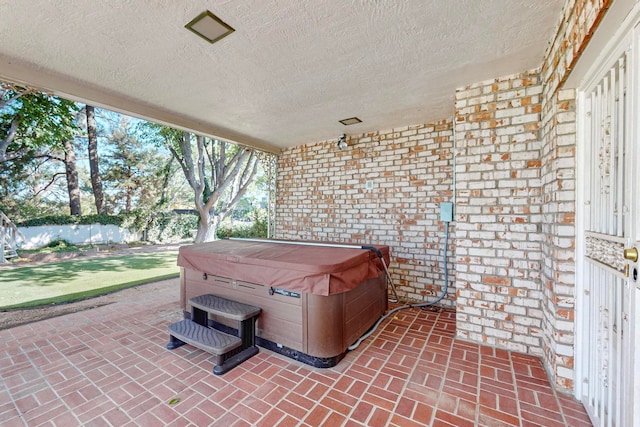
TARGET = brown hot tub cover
(318,270)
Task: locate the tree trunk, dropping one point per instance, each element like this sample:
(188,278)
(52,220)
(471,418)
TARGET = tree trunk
(207,227)
(96,182)
(73,185)
(166,175)
(219,175)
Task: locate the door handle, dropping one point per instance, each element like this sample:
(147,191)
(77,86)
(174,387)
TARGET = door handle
(631,254)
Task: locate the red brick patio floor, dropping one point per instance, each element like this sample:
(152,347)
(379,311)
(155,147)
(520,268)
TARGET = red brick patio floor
(109,367)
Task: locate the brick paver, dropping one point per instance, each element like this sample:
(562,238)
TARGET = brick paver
(109,366)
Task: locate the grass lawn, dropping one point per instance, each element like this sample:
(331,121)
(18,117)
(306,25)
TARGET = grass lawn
(79,279)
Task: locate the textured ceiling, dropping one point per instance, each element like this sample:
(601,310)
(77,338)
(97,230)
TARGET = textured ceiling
(288,73)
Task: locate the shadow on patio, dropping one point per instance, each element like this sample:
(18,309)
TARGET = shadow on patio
(109,367)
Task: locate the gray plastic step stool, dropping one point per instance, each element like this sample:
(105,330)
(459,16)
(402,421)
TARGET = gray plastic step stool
(230,350)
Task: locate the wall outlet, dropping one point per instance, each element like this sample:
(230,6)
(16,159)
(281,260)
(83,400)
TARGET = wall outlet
(446,211)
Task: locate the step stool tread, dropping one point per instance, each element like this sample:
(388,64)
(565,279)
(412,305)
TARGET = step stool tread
(224,307)
(210,340)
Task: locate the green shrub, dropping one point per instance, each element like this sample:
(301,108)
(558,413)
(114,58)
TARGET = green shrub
(161,226)
(58,245)
(73,220)
(257,229)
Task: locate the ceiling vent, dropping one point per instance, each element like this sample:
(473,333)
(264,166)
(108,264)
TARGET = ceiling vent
(350,121)
(209,27)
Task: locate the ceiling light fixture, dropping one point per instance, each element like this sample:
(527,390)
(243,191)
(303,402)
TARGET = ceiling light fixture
(209,27)
(350,121)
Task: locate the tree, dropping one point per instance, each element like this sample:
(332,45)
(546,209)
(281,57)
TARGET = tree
(92,145)
(73,183)
(68,158)
(136,172)
(33,126)
(31,120)
(165,175)
(39,139)
(37,188)
(45,179)
(218,172)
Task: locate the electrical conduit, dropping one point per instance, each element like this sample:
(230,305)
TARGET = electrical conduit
(425,304)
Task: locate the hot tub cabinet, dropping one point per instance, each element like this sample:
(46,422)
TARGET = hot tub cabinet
(315,300)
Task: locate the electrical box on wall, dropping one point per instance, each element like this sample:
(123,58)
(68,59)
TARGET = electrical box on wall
(446,211)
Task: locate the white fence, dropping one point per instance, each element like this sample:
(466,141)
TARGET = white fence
(93,234)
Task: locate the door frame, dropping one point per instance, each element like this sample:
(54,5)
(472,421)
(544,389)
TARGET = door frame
(628,34)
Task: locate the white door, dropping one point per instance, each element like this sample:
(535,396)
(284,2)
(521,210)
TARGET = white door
(606,313)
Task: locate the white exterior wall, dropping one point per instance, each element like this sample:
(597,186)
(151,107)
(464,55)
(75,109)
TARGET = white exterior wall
(37,237)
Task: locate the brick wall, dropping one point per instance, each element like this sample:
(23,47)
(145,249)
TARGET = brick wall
(580,18)
(579,21)
(516,288)
(322,195)
(514,225)
(558,235)
(498,197)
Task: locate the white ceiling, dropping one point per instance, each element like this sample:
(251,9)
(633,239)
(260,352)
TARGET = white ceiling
(288,73)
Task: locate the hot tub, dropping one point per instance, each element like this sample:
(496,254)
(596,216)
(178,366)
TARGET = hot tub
(315,300)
